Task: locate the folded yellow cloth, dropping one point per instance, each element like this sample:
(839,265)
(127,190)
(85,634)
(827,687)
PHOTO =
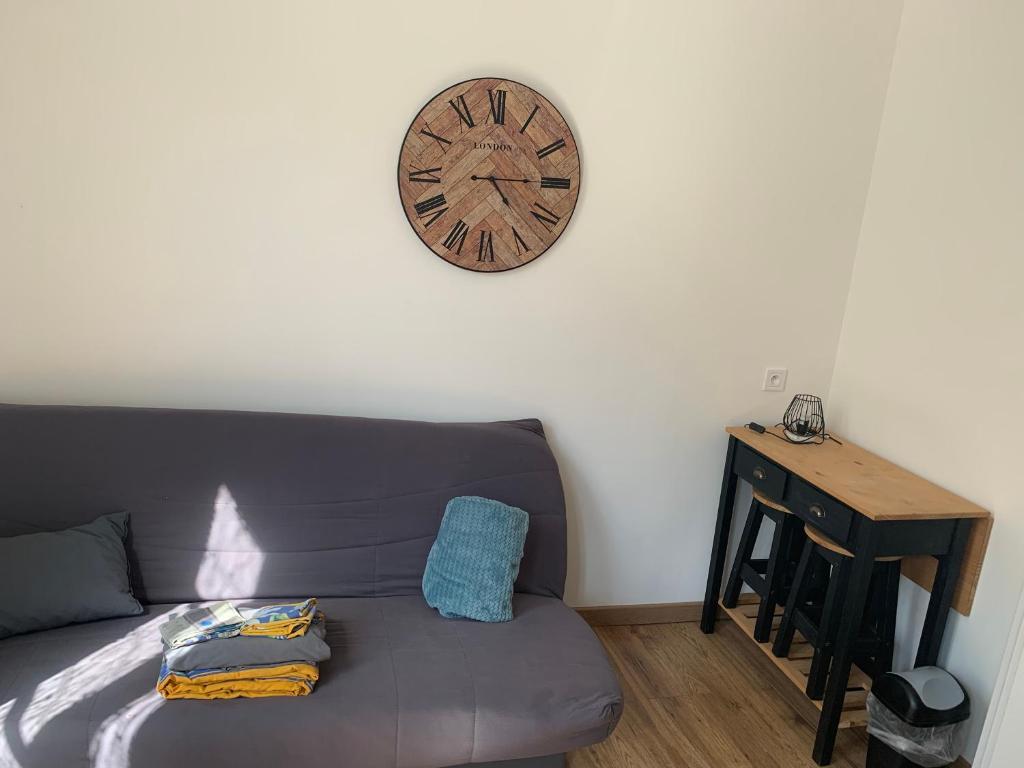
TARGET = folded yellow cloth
(283,621)
(259,681)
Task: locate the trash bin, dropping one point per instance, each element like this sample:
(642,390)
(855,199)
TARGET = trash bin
(916,718)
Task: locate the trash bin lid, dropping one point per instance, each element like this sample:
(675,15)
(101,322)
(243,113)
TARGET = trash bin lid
(924,697)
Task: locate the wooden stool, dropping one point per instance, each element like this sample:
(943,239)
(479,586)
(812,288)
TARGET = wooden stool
(818,622)
(770,578)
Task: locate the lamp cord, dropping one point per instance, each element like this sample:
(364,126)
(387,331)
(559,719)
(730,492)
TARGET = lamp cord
(823,438)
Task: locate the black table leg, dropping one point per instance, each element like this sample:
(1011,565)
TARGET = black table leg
(849,627)
(721,543)
(946,577)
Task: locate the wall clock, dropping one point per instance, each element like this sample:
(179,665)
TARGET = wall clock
(489,174)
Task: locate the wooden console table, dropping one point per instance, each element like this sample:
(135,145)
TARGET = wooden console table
(873,508)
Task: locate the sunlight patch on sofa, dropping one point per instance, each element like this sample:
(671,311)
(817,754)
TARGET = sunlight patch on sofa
(90,675)
(7,759)
(110,746)
(232,562)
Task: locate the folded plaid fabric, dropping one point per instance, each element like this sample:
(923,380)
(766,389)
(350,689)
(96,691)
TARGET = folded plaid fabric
(199,625)
(250,682)
(281,621)
(222,620)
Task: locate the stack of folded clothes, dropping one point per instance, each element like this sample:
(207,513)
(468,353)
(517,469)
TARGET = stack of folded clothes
(220,652)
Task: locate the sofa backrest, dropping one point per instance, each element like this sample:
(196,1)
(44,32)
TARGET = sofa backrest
(229,504)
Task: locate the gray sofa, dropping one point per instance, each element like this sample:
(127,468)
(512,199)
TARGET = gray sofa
(256,507)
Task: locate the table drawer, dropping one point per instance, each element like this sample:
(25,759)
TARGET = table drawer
(829,516)
(768,478)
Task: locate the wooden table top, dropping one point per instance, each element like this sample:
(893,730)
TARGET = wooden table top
(874,487)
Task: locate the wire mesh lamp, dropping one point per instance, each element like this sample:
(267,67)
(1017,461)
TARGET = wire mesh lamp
(804,420)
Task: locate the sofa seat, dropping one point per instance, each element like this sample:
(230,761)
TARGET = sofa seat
(404,687)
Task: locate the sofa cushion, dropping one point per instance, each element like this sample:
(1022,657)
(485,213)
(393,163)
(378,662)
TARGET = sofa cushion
(475,559)
(403,687)
(64,577)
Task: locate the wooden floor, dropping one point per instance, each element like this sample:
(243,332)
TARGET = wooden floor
(707,701)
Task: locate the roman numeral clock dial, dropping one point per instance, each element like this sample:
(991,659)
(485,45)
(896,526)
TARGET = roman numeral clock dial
(489,174)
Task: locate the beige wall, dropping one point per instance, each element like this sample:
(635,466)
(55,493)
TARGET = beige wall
(930,370)
(198,208)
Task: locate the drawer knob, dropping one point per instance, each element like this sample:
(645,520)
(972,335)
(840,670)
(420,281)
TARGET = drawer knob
(817,510)
(759,473)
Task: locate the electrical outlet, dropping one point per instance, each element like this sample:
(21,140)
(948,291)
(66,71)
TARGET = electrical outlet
(774,380)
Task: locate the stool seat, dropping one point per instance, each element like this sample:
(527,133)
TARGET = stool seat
(825,542)
(769,503)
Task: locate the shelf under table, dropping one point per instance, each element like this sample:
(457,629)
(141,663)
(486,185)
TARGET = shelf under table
(798,664)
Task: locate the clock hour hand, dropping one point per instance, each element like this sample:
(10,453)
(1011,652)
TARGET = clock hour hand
(494,181)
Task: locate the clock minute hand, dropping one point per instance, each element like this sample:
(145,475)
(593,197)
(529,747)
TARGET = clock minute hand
(499,178)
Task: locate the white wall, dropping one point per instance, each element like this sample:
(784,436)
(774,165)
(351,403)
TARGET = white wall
(198,208)
(1002,740)
(930,371)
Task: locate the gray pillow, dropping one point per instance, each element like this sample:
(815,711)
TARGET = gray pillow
(51,579)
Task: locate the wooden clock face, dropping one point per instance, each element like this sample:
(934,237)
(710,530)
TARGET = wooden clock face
(489,174)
